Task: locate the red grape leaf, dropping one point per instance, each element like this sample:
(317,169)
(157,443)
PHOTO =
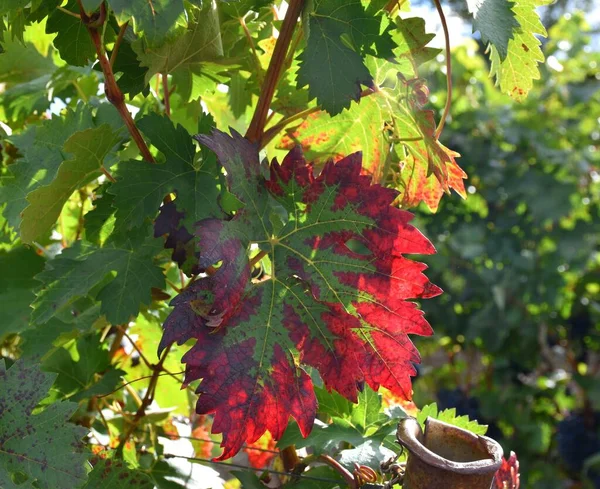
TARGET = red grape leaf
(507,476)
(335,299)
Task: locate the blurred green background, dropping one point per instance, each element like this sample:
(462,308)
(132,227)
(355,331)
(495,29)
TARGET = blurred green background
(517,331)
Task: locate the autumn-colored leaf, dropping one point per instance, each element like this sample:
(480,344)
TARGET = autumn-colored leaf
(360,128)
(507,476)
(391,126)
(417,185)
(335,299)
(262,451)
(427,168)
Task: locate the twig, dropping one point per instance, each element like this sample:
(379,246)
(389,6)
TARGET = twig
(134,394)
(111,89)
(125,384)
(208,440)
(107,174)
(104,422)
(116,344)
(173,286)
(259,70)
(82,95)
(295,42)
(148,397)
(115,51)
(135,347)
(166,93)
(440,126)
(68,12)
(257,125)
(345,473)
(257,258)
(270,133)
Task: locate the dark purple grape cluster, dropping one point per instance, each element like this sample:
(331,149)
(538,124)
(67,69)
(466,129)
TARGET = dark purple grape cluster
(467,406)
(456,398)
(577,439)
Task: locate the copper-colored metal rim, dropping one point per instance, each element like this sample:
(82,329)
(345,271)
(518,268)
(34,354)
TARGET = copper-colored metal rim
(411,436)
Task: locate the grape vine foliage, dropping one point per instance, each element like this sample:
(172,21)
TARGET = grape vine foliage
(223,184)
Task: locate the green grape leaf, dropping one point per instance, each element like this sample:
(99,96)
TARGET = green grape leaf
(43,448)
(495,21)
(323,437)
(201,41)
(72,39)
(154,19)
(411,49)
(88,374)
(371,453)
(132,79)
(115,474)
(515,73)
(18,266)
(91,5)
(366,414)
(360,128)
(89,149)
(78,269)
(23,63)
(449,416)
(333,404)
(40,341)
(99,222)
(248,480)
(339,34)
(43,153)
(324,478)
(142,186)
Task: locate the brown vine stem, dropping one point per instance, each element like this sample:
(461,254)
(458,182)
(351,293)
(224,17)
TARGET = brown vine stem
(116,344)
(299,34)
(259,119)
(166,94)
(257,258)
(440,126)
(393,6)
(115,51)
(108,175)
(113,93)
